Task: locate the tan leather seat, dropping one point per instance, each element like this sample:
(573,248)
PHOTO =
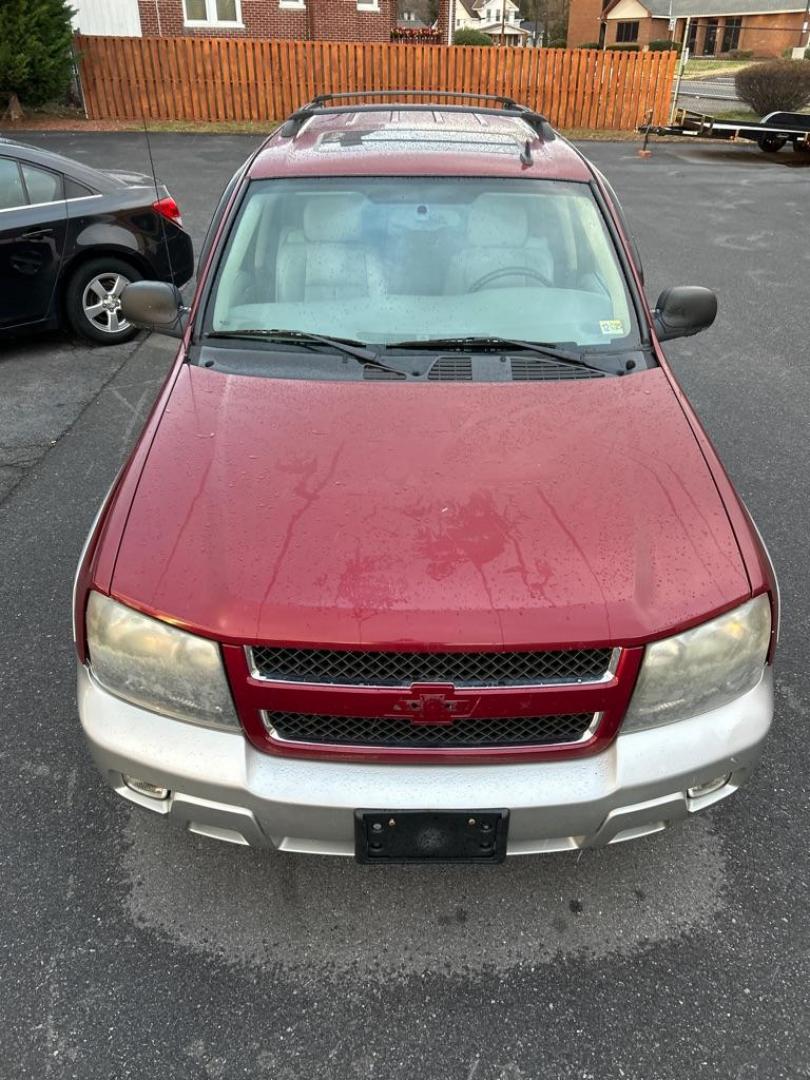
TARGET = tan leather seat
(498,239)
(328,259)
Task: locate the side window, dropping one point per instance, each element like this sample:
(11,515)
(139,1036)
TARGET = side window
(12,192)
(75,190)
(43,186)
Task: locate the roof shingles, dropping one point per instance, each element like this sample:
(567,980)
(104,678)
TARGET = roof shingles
(680,9)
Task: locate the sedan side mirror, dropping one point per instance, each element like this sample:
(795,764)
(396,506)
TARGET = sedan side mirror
(155,305)
(682,311)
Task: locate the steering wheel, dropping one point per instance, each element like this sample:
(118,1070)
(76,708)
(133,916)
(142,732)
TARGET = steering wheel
(510,271)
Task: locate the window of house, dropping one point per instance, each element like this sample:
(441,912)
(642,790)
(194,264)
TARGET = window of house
(691,40)
(710,37)
(731,33)
(368,5)
(627,31)
(213,12)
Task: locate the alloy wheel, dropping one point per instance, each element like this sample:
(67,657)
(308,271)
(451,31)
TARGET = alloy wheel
(101,302)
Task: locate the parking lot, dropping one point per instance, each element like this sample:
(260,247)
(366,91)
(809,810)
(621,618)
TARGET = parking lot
(129,950)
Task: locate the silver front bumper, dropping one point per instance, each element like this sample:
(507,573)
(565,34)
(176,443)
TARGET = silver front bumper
(221,786)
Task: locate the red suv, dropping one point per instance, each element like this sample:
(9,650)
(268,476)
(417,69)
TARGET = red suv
(422,553)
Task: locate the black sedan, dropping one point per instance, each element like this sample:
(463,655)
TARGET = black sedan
(72,237)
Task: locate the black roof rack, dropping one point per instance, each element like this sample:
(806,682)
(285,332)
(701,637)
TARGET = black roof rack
(319,106)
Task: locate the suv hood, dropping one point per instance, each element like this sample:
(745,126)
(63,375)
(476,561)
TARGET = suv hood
(579,512)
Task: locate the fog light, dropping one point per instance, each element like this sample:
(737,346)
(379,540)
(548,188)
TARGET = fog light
(143,787)
(709,787)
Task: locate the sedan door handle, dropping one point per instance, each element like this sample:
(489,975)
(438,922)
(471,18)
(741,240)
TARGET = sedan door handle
(37,234)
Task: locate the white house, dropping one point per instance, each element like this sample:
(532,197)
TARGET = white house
(489,16)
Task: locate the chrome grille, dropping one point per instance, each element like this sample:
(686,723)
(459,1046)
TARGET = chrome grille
(473,733)
(344,667)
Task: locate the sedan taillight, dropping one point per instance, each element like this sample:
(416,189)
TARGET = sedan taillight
(169,209)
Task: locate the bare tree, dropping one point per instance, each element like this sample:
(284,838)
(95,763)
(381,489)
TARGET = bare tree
(548,16)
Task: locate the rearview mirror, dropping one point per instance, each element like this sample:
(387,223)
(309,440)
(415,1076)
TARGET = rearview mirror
(684,310)
(155,305)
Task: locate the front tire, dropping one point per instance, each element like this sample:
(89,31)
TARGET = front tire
(93,300)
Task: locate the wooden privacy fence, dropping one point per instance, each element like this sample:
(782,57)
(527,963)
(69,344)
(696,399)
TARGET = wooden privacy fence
(214,79)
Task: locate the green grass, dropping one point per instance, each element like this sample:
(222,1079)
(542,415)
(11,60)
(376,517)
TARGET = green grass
(72,120)
(56,119)
(223,127)
(745,115)
(701,69)
(64,119)
(600,135)
(737,114)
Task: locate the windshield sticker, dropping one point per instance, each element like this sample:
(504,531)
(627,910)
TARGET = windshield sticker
(612,326)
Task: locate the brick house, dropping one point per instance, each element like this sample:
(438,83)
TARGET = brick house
(707,27)
(322,20)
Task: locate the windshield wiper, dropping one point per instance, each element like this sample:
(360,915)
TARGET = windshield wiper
(347,346)
(500,344)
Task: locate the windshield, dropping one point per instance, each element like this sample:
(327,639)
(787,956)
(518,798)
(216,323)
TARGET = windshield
(387,259)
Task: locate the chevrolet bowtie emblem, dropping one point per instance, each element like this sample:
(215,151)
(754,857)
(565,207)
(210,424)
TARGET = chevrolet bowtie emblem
(436,705)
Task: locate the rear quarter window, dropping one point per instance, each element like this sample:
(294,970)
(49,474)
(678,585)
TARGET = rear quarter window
(12,192)
(75,190)
(43,186)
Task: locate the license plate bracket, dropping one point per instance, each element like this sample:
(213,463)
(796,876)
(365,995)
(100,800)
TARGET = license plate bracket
(431,836)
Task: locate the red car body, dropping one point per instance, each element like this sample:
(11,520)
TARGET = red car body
(384,517)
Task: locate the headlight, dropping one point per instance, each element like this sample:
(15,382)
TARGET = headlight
(155,665)
(702,668)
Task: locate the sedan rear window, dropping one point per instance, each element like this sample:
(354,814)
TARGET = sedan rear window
(382,259)
(75,190)
(12,193)
(43,185)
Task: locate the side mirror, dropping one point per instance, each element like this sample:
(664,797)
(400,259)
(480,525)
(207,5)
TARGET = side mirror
(684,310)
(155,305)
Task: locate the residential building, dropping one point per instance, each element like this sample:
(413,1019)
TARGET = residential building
(707,27)
(107,18)
(324,20)
(489,16)
(536,31)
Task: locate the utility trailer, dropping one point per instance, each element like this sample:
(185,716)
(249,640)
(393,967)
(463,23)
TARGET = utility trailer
(770,134)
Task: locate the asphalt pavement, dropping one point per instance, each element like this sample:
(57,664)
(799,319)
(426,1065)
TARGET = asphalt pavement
(129,950)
